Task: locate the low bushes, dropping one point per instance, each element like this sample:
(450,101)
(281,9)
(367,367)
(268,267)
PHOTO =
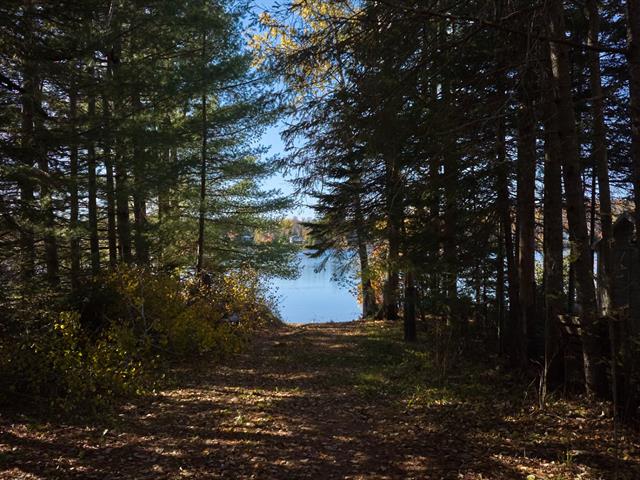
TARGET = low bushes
(114,338)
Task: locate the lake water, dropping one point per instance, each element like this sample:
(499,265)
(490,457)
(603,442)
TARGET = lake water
(314,297)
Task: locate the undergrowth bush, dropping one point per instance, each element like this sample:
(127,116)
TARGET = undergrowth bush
(113,339)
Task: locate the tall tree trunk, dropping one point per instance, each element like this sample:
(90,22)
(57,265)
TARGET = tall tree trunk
(500,282)
(526,219)
(203,167)
(553,251)
(434,228)
(140,218)
(595,379)
(92,187)
(449,238)
(46,199)
(139,192)
(73,193)
(33,149)
(592,208)
(503,200)
(121,148)
(633,40)
(107,152)
(606,271)
(28,151)
(164,210)
(410,301)
(394,202)
(369,306)
(633,36)
(506,223)
(122,205)
(601,161)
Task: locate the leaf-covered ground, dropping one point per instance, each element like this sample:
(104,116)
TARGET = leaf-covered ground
(330,401)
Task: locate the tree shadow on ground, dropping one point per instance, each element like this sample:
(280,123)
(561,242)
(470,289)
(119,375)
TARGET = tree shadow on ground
(298,406)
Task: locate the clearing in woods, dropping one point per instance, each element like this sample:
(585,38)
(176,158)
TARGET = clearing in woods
(328,401)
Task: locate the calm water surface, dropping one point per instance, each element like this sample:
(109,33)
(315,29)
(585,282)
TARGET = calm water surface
(314,297)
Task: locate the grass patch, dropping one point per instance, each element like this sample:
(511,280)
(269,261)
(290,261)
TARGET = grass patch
(391,369)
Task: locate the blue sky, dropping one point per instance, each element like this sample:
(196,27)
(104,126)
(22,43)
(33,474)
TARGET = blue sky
(271,139)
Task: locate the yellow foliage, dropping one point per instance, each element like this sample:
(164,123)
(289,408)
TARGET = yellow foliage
(147,319)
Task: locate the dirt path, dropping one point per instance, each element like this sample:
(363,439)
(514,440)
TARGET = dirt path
(311,402)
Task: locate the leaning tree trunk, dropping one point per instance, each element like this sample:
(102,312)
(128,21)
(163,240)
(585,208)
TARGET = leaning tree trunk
(595,379)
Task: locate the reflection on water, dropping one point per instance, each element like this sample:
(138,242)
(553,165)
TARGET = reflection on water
(313,297)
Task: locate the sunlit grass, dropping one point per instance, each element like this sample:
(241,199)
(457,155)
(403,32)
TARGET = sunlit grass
(388,368)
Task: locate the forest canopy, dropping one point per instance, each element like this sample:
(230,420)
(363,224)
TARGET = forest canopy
(477,164)
(482,161)
(129,167)
(473,165)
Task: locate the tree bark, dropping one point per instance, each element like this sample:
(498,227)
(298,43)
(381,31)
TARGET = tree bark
(595,380)
(74,246)
(601,161)
(27,140)
(122,189)
(92,187)
(503,205)
(107,152)
(553,251)
(410,300)
(139,192)
(203,168)
(500,282)
(526,220)
(633,39)
(34,151)
(394,225)
(369,307)
(140,219)
(449,238)
(435,225)
(46,198)
(122,205)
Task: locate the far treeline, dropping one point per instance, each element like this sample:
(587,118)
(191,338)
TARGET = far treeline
(485,155)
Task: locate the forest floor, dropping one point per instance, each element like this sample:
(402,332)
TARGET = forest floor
(328,401)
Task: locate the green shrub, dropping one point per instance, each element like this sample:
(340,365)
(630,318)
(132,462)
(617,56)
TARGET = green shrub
(133,322)
(53,362)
